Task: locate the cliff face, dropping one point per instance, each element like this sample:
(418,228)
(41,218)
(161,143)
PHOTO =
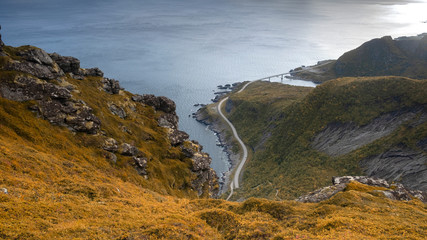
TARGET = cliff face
(126,129)
(398,164)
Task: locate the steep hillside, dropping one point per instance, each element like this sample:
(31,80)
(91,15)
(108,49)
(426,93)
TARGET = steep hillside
(405,56)
(302,137)
(56,107)
(80,158)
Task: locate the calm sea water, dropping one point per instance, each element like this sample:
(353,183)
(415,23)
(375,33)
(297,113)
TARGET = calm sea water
(184,49)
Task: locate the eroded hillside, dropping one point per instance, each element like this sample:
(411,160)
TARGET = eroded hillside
(302,137)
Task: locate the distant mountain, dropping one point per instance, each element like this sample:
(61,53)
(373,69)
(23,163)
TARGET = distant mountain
(404,56)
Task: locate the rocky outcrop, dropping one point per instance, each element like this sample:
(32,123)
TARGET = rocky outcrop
(341,138)
(111,145)
(91,72)
(127,149)
(54,103)
(36,62)
(140,164)
(206,180)
(44,78)
(391,191)
(111,86)
(161,103)
(177,137)
(117,110)
(399,164)
(71,113)
(168,119)
(67,64)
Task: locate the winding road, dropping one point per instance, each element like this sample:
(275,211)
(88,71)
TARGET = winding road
(234,184)
(235,180)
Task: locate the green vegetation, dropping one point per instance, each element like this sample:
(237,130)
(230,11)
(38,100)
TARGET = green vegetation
(378,57)
(279,124)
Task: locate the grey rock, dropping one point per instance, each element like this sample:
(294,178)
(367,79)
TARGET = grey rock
(118,111)
(177,137)
(161,103)
(140,164)
(4,190)
(322,193)
(168,120)
(67,64)
(91,72)
(26,88)
(423,144)
(341,138)
(111,145)
(394,191)
(111,86)
(399,164)
(377,182)
(127,149)
(190,149)
(74,114)
(36,55)
(201,161)
(206,178)
(38,70)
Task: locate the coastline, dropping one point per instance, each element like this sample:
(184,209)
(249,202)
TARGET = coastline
(220,130)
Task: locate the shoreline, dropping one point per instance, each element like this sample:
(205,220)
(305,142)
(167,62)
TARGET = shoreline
(220,131)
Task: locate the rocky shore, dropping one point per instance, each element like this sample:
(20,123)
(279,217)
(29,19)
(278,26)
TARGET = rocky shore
(215,125)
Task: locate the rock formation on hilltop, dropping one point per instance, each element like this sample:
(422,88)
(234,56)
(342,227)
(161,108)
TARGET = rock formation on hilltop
(49,84)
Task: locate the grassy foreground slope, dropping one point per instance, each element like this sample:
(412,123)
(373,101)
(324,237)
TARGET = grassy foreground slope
(53,194)
(280,129)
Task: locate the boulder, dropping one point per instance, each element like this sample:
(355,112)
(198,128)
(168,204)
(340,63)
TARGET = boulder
(168,120)
(118,111)
(111,145)
(177,137)
(91,72)
(140,164)
(201,161)
(67,64)
(127,149)
(36,55)
(161,103)
(111,86)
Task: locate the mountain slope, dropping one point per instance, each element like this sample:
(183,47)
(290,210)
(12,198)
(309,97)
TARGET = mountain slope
(404,56)
(343,127)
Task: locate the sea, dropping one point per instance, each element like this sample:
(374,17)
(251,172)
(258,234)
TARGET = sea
(183,49)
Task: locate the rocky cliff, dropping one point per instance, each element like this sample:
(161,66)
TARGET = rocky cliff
(55,88)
